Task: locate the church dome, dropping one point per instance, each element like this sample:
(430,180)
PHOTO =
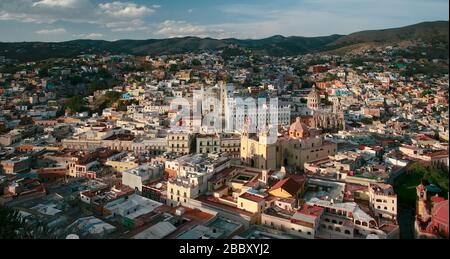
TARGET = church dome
(298,129)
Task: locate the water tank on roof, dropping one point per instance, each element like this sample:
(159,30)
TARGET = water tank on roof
(158,185)
(372,236)
(180,211)
(72,236)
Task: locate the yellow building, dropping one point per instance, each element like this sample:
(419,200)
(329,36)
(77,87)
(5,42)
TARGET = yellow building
(122,166)
(288,188)
(294,150)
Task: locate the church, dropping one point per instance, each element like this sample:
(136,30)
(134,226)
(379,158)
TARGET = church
(329,119)
(291,149)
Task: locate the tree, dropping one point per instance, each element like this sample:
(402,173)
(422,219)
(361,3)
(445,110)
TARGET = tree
(367,121)
(196,62)
(3,129)
(26,121)
(15,226)
(74,80)
(104,73)
(173,68)
(97,85)
(76,104)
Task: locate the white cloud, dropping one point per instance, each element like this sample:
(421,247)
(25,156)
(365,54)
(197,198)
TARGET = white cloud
(51,31)
(47,11)
(125,14)
(61,3)
(121,26)
(93,35)
(170,28)
(125,10)
(190,10)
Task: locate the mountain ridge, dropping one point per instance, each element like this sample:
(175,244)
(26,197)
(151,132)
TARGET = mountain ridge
(276,45)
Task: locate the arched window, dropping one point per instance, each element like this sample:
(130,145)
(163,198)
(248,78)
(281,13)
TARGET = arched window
(357,222)
(347,232)
(364,224)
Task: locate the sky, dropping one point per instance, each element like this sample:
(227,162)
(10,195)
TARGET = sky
(62,20)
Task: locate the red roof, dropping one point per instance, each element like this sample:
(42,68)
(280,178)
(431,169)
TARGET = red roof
(251,197)
(288,184)
(440,212)
(439,153)
(437,199)
(311,210)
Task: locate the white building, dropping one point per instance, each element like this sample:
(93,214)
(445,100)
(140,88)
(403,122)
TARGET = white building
(136,177)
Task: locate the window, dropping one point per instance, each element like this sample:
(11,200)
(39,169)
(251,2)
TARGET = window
(309,233)
(347,232)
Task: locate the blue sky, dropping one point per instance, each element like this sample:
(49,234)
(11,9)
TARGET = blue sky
(60,20)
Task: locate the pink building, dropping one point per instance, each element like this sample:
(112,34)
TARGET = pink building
(431,215)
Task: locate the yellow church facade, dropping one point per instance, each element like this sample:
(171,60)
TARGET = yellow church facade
(294,150)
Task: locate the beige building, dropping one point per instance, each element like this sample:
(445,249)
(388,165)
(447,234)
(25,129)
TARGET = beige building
(179,143)
(223,143)
(15,165)
(122,162)
(190,175)
(383,200)
(302,223)
(294,150)
(10,138)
